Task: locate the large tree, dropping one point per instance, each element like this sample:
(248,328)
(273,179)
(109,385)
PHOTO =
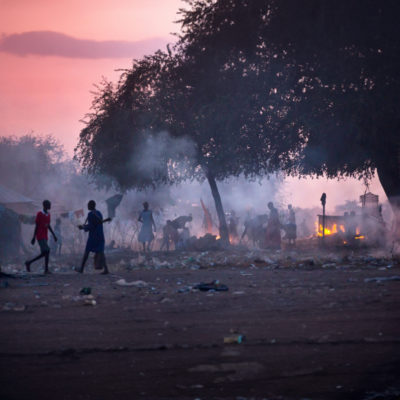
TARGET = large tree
(333,67)
(310,87)
(171,92)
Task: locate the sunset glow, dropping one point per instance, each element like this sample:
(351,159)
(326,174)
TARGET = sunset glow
(50,94)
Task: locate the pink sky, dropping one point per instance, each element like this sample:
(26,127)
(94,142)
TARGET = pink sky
(50,94)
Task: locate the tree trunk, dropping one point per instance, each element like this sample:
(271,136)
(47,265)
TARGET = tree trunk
(223,228)
(389,176)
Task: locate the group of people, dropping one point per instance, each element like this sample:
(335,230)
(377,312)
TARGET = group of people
(265,230)
(269,237)
(95,242)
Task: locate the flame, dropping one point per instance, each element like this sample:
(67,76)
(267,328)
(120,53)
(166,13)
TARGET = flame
(328,231)
(218,237)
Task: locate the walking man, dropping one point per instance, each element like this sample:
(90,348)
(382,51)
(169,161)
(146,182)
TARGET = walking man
(95,243)
(42,225)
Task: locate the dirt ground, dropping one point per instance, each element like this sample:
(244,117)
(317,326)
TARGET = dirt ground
(315,328)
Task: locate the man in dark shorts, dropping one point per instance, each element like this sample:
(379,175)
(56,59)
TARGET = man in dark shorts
(95,242)
(42,225)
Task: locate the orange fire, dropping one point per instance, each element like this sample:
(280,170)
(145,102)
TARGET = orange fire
(329,231)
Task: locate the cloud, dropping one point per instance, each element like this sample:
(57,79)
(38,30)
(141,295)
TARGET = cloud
(47,43)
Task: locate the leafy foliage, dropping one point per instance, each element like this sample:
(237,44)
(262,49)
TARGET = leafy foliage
(309,87)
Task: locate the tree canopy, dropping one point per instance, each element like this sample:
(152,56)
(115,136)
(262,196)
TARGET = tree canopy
(308,87)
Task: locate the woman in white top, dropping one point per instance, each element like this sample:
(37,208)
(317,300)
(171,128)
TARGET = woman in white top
(146,232)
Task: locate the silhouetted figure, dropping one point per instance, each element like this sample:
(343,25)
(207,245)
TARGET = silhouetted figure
(42,226)
(247,223)
(253,228)
(273,230)
(183,239)
(180,222)
(291,227)
(95,243)
(170,234)
(146,232)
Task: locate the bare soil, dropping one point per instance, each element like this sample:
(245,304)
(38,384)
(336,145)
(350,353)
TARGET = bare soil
(312,331)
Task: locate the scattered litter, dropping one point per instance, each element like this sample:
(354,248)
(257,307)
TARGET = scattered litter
(13,307)
(166,300)
(238,292)
(234,339)
(329,265)
(89,301)
(383,279)
(86,291)
(214,285)
(19,308)
(185,289)
(139,284)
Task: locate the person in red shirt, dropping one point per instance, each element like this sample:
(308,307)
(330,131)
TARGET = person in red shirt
(40,234)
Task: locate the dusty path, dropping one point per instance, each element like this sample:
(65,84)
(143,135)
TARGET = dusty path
(311,333)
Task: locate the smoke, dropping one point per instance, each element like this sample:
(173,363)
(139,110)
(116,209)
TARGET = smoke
(160,157)
(37,167)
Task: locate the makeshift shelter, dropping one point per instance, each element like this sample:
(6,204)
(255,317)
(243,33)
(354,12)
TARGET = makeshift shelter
(16,201)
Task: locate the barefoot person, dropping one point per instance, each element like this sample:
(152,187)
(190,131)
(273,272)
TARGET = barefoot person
(42,225)
(95,242)
(146,232)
